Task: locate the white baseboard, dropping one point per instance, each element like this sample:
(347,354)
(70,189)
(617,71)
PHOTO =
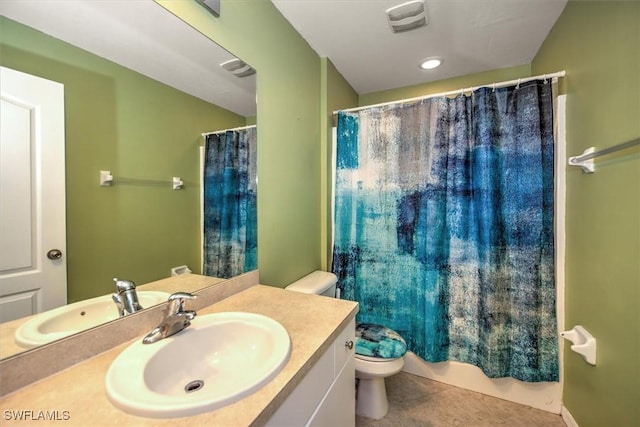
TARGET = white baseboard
(567,417)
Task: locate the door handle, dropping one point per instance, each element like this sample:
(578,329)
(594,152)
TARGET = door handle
(54,254)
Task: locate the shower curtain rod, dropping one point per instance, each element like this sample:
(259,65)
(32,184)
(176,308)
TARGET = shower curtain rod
(553,76)
(228,130)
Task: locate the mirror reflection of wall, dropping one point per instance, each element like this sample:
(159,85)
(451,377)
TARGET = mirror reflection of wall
(119,120)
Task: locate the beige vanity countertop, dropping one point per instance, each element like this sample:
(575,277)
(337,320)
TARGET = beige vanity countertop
(313,322)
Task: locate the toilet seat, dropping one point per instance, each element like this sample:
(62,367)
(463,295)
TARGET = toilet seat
(378,341)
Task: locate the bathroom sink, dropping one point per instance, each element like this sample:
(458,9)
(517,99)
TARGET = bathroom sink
(219,359)
(70,319)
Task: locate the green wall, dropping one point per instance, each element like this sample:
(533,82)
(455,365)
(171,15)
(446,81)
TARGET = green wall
(598,44)
(289,152)
(119,120)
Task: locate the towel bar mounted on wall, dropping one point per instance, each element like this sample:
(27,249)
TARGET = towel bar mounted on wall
(107,180)
(585,160)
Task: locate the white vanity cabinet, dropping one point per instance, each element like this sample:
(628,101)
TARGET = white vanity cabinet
(326,395)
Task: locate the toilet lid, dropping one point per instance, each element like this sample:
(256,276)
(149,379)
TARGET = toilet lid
(378,341)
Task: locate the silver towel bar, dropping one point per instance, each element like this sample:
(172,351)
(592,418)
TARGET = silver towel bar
(585,160)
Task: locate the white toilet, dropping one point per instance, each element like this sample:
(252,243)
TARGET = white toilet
(371,368)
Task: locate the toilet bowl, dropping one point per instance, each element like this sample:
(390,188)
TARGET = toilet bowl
(371,398)
(379,350)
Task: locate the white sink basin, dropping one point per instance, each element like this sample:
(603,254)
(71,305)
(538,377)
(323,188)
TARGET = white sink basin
(73,318)
(219,359)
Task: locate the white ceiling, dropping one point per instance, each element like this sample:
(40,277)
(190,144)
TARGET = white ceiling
(470,35)
(142,36)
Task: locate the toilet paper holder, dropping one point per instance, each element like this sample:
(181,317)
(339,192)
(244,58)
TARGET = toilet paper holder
(583,343)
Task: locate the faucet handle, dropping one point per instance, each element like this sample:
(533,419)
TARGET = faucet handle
(176,301)
(124,285)
(181,296)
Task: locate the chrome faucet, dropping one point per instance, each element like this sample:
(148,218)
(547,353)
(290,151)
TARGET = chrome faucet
(175,318)
(126,298)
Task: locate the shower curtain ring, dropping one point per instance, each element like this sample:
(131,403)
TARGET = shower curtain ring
(518,85)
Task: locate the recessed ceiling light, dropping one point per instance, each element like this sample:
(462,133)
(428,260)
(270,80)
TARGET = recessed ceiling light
(431,63)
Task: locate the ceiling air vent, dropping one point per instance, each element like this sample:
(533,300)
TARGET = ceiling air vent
(238,68)
(407,16)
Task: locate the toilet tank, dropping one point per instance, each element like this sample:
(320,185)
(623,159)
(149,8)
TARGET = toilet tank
(318,282)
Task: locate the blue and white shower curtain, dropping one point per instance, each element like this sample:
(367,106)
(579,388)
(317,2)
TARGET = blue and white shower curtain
(230,197)
(444,226)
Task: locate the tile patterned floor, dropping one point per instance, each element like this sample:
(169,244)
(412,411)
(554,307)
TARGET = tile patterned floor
(418,402)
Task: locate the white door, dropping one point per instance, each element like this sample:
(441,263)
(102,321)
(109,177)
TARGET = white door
(33,270)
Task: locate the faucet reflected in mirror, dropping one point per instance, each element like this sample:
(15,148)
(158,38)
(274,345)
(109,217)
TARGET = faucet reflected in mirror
(136,223)
(126,298)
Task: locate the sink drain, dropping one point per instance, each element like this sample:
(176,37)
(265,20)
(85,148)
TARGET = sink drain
(193,386)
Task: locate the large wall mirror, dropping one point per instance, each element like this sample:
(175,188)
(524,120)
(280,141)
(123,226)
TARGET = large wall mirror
(140,89)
